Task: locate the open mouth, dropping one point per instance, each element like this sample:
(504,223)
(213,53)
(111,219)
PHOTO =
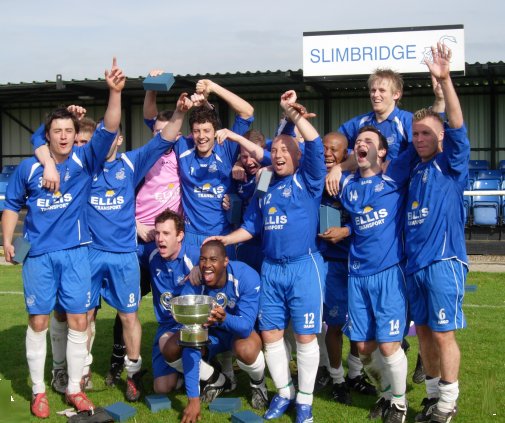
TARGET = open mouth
(208,275)
(362,154)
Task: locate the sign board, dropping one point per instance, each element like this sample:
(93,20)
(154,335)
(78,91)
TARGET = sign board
(359,52)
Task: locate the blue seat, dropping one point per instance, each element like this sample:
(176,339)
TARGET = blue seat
(490,174)
(468,202)
(486,208)
(9,168)
(3,190)
(478,165)
(4,177)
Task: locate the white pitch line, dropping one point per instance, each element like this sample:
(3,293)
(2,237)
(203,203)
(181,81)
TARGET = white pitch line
(11,293)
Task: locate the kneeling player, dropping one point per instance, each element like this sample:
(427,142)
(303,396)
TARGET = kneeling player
(231,328)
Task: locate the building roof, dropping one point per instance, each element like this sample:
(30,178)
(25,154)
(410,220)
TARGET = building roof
(265,84)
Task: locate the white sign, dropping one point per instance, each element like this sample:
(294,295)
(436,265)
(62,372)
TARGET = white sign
(360,52)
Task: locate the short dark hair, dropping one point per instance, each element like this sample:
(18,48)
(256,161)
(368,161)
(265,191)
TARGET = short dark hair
(383,142)
(217,244)
(164,115)
(168,214)
(60,113)
(202,114)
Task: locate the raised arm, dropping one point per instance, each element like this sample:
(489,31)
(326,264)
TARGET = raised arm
(150,109)
(295,113)
(439,103)
(116,82)
(440,70)
(254,150)
(239,105)
(174,125)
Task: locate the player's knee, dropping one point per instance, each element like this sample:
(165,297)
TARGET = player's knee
(164,384)
(389,348)
(39,322)
(365,348)
(129,320)
(444,339)
(77,322)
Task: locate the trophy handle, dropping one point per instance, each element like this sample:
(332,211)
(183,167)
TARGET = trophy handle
(220,300)
(165,301)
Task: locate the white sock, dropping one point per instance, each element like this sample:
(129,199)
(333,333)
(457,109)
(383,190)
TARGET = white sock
(206,370)
(448,396)
(396,369)
(432,387)
(177,365)
(36,349)
(307,360)
(276,357)
(132,367)
(256,370)
(76,354)
(58,333)
(323,351)
(354,366)
(337,375)
(88,361)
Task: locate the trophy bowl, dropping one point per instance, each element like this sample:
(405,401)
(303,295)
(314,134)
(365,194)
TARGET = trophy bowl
(192,311)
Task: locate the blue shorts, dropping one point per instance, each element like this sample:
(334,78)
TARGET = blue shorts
(378,306)
(250,252)
(436,295)
(335,298)
(160,366)
(292,290)
(116,277)
(62,275)
(220,341)
(195,241)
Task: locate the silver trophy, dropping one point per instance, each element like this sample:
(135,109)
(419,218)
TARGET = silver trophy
(192,311)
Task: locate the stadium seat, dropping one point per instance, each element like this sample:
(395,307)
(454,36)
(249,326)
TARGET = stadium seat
(490,174)
(478,165)
(467,203)
(9,168)
(4,177)
(3,189)
(486,208)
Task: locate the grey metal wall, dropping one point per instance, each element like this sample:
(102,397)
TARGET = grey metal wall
(477,110)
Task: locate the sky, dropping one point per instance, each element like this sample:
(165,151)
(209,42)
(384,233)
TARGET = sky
(40,39)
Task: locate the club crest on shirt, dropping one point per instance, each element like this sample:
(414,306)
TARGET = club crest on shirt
(425,176)
(391,140)
(120,175)
(231,303)
(213,167)
(30,300)
(355,265)
(287,192)
(67,176)
(379,187)
(180,280)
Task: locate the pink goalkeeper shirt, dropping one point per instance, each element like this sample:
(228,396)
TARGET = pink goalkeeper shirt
(161,190)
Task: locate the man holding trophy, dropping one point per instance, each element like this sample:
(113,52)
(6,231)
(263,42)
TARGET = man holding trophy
(227,300)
